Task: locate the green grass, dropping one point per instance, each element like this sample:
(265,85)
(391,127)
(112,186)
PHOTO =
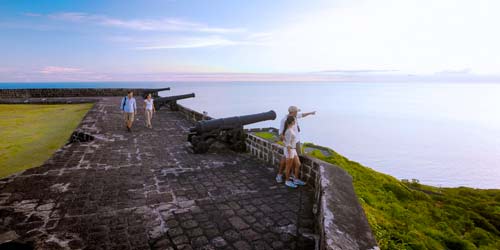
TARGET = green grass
(269,136)
(408,215)
(30,134)
(266,135)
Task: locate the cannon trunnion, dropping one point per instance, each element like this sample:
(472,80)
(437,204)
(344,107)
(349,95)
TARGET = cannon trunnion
(171,101)
(227,130)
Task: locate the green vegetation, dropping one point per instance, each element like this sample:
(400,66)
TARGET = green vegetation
(30,134)
(267,135)
(408,215)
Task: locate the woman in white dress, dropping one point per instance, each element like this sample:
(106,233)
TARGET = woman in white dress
(292,158)
(149,110)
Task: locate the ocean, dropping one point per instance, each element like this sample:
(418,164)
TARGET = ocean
(443,134)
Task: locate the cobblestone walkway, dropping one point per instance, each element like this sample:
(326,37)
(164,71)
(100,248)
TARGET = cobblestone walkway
(146,190)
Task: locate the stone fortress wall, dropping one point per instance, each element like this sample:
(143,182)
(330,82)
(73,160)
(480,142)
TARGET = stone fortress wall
(340,220)
(72,92)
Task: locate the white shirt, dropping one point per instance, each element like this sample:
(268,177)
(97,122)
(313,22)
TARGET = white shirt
(290,138)
(149,104)
(295,127)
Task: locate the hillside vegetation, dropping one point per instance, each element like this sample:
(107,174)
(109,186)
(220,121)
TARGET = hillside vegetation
(406,215)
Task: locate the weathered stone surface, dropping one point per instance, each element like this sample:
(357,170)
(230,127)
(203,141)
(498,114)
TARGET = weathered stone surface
(344,226)
(147,190)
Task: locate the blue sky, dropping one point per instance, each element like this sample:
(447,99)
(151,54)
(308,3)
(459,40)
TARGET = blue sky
(246,40)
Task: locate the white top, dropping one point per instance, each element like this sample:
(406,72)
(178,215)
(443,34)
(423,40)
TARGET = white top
(290,138)
(295,127)
(149,104)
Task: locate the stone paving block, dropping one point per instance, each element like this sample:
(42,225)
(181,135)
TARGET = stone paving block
(250,235)
(238,223)
(219,242)
(232,235)
(242,245)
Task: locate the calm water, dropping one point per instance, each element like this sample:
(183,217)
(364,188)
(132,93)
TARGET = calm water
(441,134)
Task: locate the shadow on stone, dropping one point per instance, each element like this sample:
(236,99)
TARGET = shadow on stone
(15,245)
(79,136)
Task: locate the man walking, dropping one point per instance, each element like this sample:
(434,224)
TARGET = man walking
(129,108)
(292,111)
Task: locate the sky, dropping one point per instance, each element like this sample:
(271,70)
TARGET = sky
(259,40)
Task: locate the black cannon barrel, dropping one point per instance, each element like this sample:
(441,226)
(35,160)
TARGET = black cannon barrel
(232,122)
(174,98)
(162,89)
(153,92)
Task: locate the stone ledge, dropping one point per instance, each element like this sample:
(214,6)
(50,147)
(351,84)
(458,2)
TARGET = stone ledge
(58,100)
(73,92)
(193,115)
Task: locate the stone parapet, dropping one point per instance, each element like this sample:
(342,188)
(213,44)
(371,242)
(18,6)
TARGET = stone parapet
(193,115)
(73,92)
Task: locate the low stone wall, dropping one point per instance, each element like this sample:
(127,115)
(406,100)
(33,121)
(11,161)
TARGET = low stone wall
(58,100)
(193,115)
(341,221)
(273,153)
(73,92)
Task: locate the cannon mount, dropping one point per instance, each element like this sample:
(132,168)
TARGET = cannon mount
(226,130)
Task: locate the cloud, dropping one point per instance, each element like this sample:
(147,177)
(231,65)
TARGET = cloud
(171,33)
(5,69)
(32,14)
(455,72)
(165,24)
(59,70)
(193,42)
(359,71)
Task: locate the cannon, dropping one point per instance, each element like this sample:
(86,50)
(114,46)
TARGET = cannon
(171,101)
(153,92)
(226,130)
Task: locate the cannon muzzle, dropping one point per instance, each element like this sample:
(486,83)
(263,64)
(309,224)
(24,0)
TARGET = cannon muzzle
(171,100)
(174,98)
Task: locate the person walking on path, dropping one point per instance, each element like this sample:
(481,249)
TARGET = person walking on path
(129,108)
(149,110)
(292,111)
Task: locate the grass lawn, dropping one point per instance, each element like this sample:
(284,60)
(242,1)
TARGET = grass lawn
(409,215)
(31,133)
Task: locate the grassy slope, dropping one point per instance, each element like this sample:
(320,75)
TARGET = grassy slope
(30,134)
(412,216)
